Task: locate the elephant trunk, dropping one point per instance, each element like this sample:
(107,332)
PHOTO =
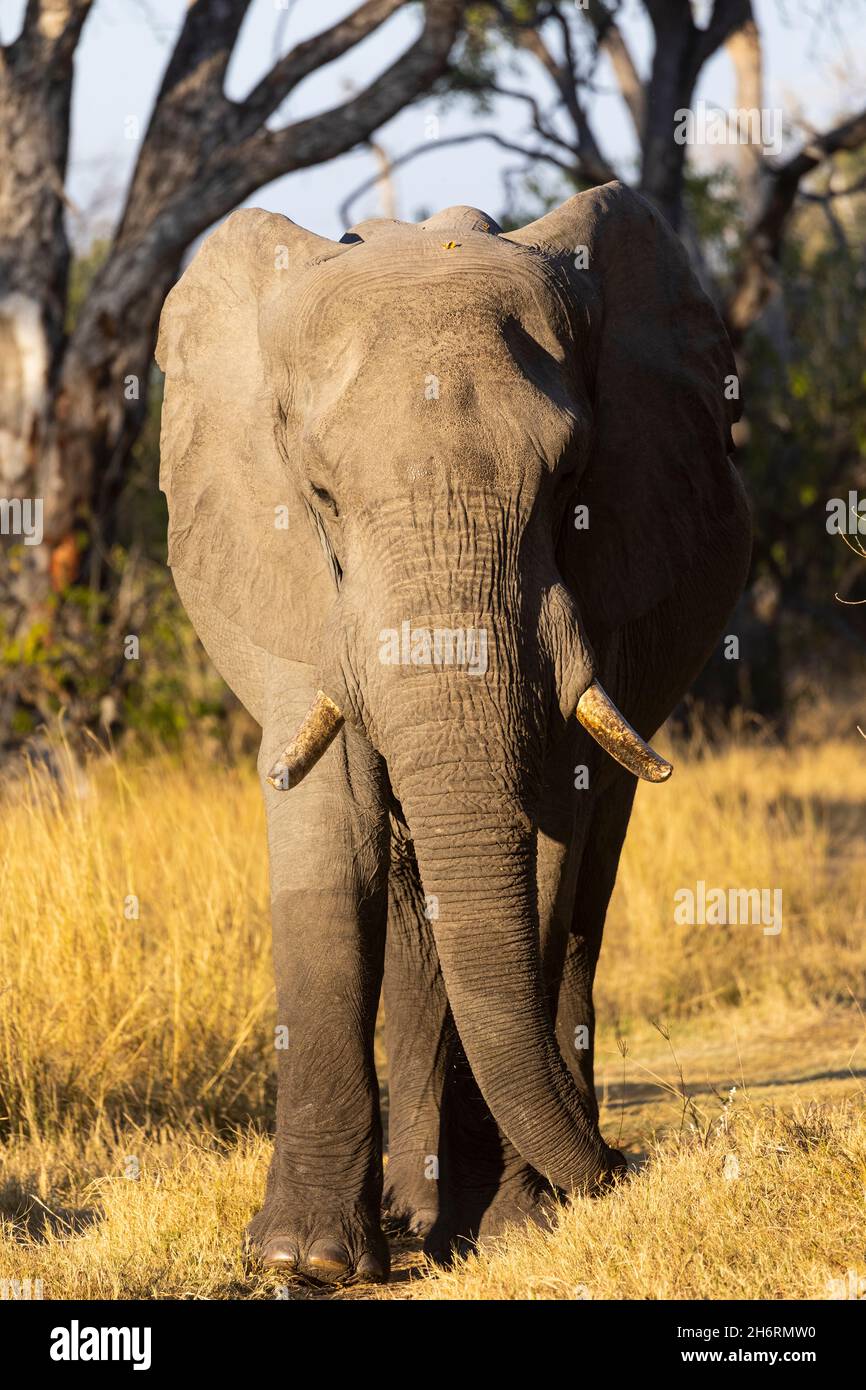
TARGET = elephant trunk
(475,847)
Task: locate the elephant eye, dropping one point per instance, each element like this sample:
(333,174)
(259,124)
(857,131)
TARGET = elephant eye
(323,495)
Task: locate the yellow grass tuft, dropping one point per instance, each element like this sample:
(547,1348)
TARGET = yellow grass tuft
(136,1052)
(763,1206)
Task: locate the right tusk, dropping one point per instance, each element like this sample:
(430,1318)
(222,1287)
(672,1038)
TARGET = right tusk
(600,717)
(320,726)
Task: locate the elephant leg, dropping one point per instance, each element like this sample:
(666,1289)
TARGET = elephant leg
(599,860)
(327,842)
(419,1037)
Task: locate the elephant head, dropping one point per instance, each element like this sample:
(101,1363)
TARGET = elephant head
(374,452)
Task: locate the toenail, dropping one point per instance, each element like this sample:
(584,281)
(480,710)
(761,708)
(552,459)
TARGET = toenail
(328,1261)
(278,1253)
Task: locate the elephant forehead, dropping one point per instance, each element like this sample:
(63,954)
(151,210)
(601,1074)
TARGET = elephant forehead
(413,292)
(407,341)
(479,413)
(454,219)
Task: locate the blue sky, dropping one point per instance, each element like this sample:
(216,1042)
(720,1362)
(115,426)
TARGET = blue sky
(813,66)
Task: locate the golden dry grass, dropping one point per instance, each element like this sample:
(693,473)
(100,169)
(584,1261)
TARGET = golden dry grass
(758,1205)
(751,816)
(761,1205)
(107,1015)
(136,1053)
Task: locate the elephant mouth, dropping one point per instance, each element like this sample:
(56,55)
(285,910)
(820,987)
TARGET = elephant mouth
(595,711)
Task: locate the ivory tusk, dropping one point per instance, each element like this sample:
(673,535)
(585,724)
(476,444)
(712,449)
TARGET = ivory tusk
(320,726)
(601,718)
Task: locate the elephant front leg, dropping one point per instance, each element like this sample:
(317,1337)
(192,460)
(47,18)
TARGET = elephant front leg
(419,1035)
(599,860)
(321,1215)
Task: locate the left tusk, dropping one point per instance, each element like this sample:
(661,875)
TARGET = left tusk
(601,718)
(320,726)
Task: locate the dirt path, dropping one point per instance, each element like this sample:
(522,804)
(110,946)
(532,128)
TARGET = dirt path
(807,1057)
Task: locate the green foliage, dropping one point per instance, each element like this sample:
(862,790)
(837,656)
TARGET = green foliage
(712,206)
(72,663)
(488,34)
(79,665)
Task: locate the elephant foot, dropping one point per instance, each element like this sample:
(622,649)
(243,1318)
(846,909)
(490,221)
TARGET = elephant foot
(410,1200)
(524,1198)
(327,1248)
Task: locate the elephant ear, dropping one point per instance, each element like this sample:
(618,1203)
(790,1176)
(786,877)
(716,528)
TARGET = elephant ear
(657,486)
(241,537)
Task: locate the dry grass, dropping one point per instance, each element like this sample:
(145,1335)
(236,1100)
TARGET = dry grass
(758,1205)
(786,1221)
(752,816)
(106,1015)
(136,1053)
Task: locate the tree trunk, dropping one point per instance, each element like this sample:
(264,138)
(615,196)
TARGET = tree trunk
(35,95)
(73,398)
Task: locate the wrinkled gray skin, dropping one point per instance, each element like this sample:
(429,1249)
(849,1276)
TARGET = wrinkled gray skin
(398,427)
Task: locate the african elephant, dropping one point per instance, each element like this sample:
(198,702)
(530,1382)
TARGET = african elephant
(446,505)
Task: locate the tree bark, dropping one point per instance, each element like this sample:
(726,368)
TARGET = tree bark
(72,403)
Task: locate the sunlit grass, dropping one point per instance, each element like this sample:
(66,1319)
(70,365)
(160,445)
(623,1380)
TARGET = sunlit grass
(746,817)
(760,1205)
(134,947)
(136,1033)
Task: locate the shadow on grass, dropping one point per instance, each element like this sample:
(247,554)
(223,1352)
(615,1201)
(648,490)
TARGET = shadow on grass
(32,1220)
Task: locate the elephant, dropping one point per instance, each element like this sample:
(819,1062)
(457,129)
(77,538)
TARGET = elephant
(452,510)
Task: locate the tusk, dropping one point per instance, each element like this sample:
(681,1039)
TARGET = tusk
(320,726)
(601,718)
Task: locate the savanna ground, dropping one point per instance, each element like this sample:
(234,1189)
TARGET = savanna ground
(136,1051)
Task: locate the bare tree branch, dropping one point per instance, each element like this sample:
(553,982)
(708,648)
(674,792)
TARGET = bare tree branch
(323,137)
(611,42)
(832,193)
(727,17)
(204,46)
(565,79)
(50,28)
(757,275)
(849,135)
(384,180)
(744,50)
(190,113)
(311,55)
(669,89)
(430,146)
(539,124)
